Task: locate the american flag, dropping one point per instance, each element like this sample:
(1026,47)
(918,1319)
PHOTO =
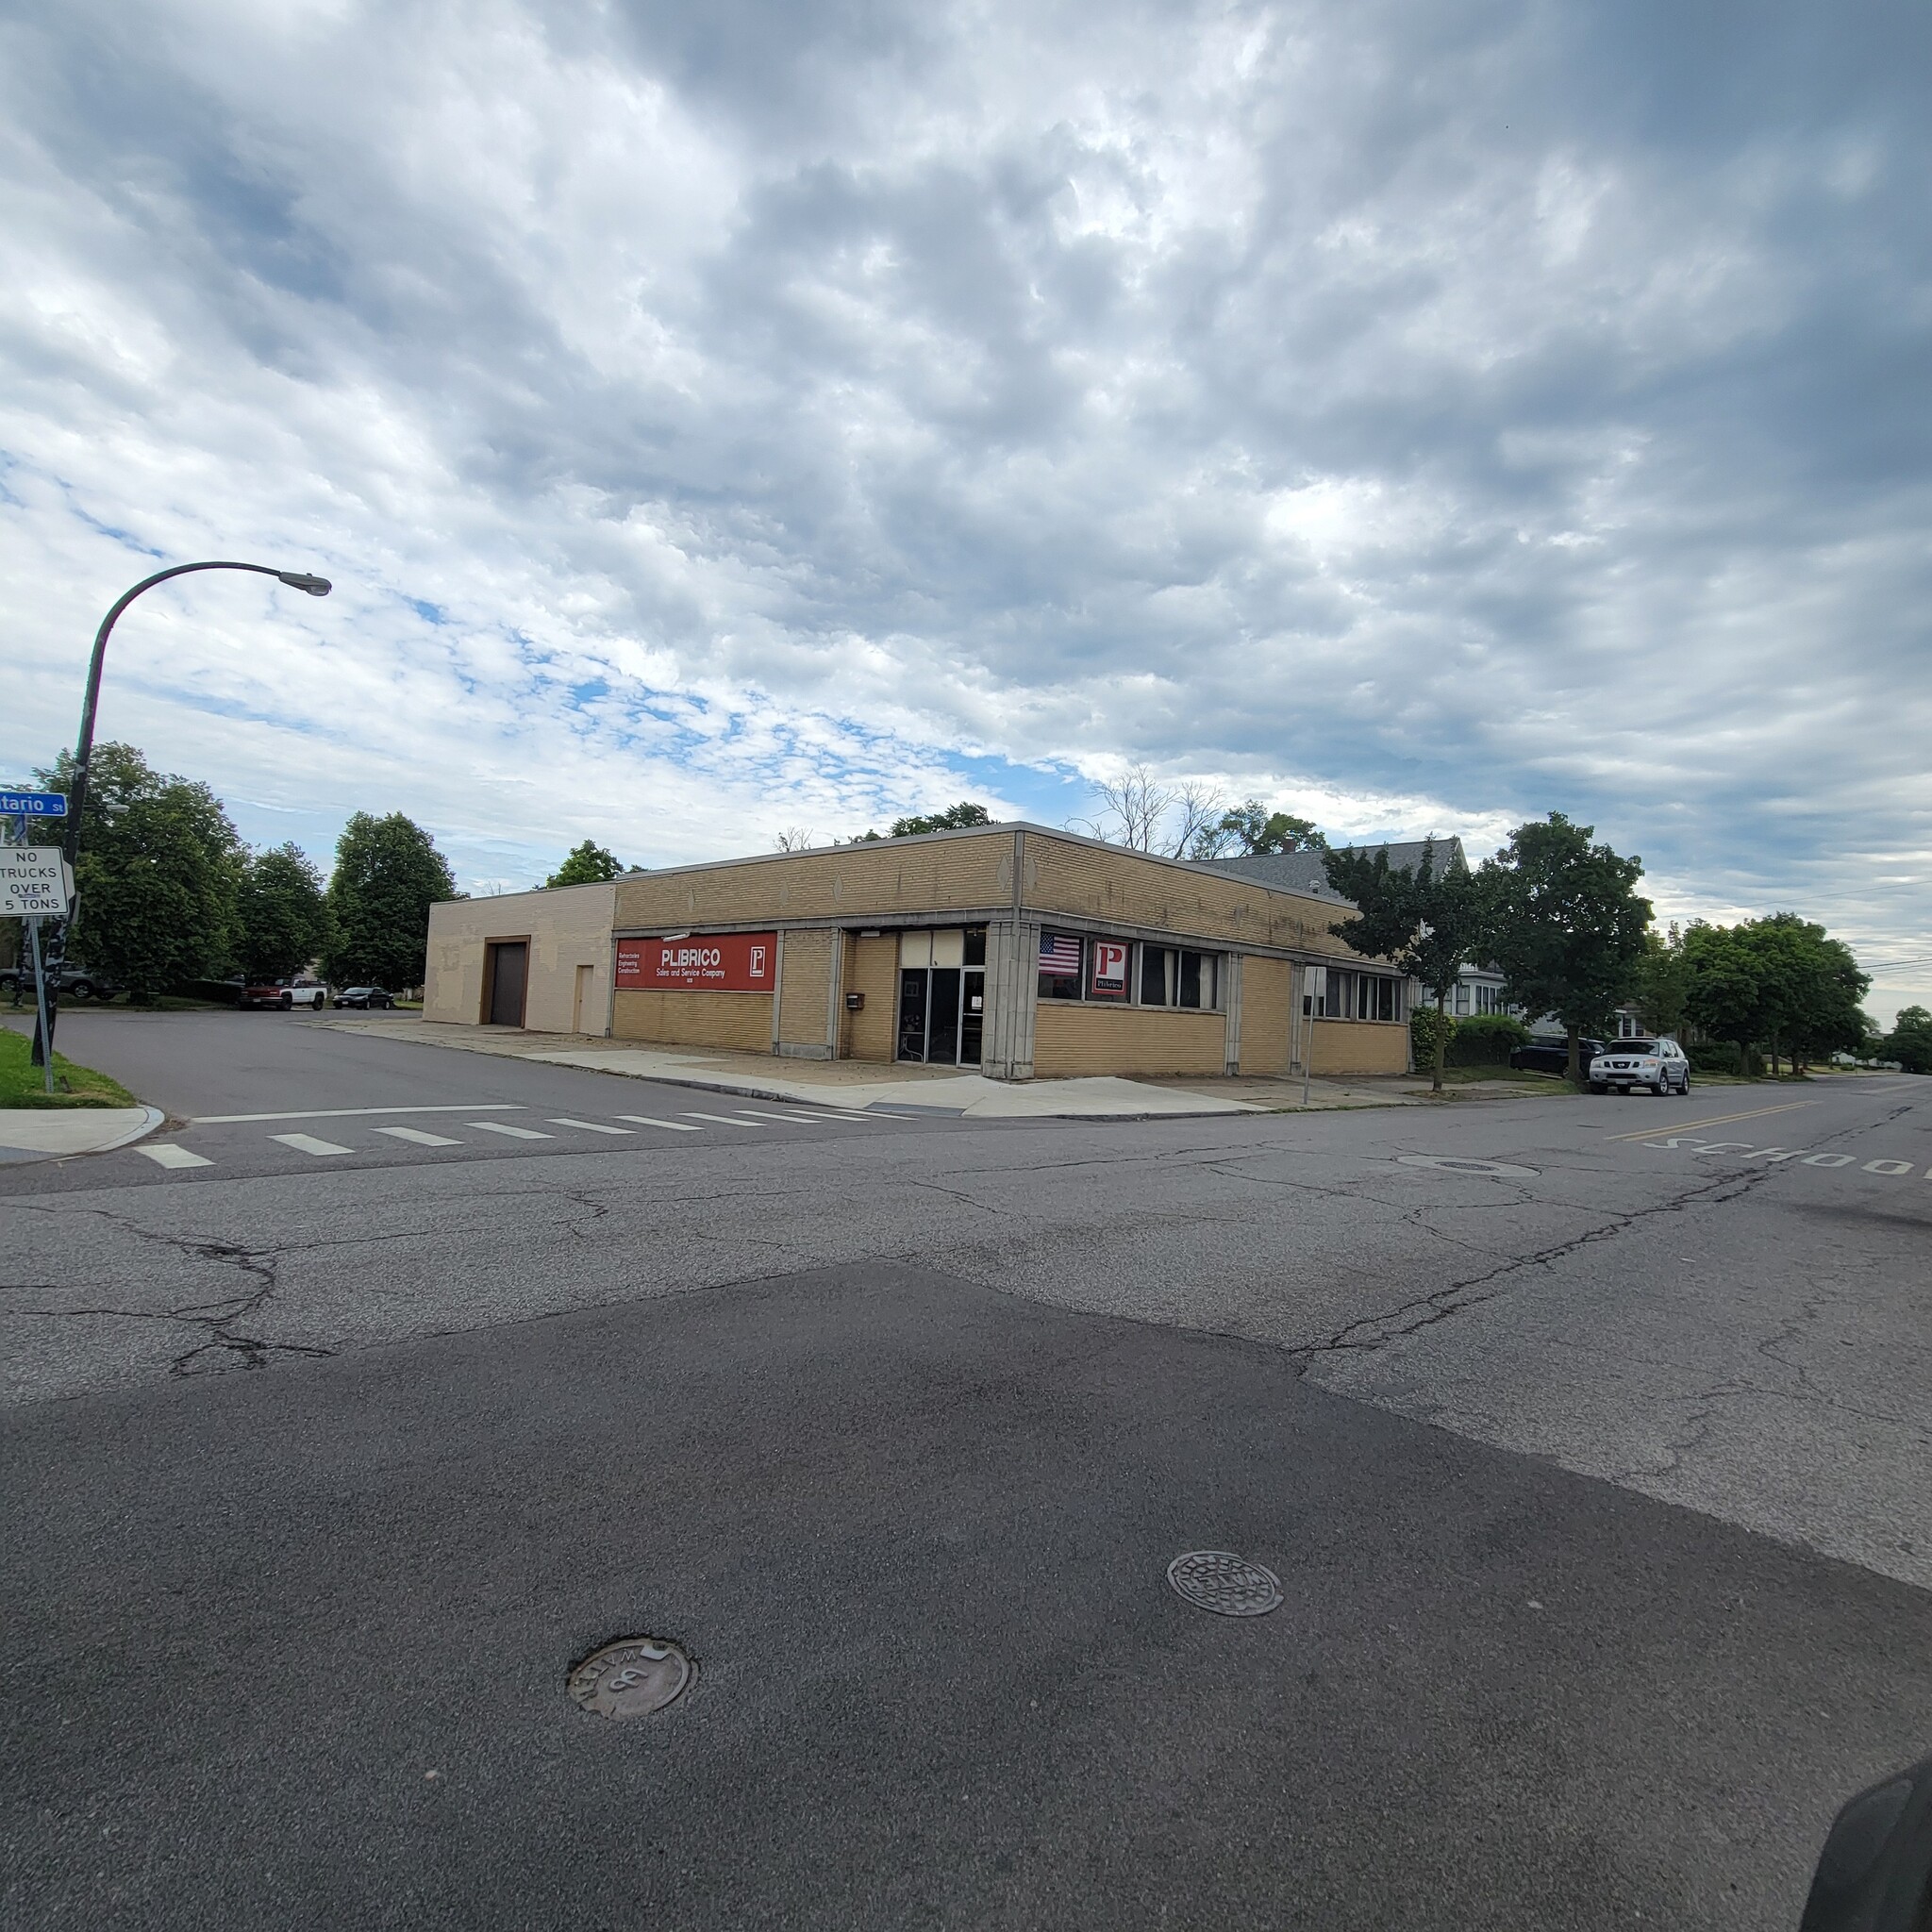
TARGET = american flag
(1060,955)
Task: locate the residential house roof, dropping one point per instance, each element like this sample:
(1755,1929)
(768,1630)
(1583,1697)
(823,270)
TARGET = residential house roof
(1303,871)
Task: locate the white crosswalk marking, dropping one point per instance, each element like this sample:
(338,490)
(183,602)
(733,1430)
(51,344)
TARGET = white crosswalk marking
(784,1119)
(645,1119)
(513,1133)
(307,1143)
(589,1126)
(843,1120)
(165,1154)
(724,1120)
(417,1138)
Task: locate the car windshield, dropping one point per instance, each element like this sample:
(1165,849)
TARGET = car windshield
(1639,1047)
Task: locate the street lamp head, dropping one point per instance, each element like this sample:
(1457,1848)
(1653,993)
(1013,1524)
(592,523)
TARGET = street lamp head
(300,580)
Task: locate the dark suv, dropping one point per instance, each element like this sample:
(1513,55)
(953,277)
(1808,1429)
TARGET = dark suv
(70,983)
(1553,1056)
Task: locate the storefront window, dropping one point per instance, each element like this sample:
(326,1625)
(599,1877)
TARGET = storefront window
(1363,995)
(1061,956)
(1176,976)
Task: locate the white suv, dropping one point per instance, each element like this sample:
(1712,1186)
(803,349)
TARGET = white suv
(1660,1064)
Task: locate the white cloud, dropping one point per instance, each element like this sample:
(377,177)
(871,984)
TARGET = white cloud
(731,418)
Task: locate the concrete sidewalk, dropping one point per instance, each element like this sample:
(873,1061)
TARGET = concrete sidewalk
(865,1084)
(55,1133)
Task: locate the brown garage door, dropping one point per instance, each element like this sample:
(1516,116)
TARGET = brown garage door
(509,962)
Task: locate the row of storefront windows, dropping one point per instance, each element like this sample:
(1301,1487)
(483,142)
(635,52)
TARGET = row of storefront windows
(942,985)
(1339,994)
(1121,973)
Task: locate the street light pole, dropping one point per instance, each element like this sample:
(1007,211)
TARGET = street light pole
(83,753)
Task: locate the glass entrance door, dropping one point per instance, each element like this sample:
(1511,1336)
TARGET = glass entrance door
(942,997)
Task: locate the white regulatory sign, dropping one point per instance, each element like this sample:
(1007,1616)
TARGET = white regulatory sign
(35,882)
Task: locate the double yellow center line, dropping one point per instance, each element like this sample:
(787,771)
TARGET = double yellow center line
(1723,1120)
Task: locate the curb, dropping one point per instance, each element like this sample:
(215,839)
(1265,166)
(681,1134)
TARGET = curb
(24,1156)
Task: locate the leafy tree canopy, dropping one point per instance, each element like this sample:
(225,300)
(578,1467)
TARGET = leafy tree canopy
(388,874)
(157,876)
(281,908)
(1426,921)
(956,818)
(1566,924)
(1781,982)
(1910,1041)
(1252,827)
(1663,982)
(587,864)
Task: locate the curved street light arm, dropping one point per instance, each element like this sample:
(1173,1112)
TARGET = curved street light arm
(84,748)
(83,752)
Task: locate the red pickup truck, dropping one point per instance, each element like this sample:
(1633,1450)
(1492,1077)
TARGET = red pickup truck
(285,994)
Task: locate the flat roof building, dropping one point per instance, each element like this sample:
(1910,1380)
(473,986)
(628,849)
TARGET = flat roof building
(1021,951)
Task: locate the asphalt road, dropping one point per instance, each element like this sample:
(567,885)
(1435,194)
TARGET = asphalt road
(1599,1494)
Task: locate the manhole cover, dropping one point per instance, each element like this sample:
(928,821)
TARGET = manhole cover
(1228,1585)
(1450,1163)
(631,1677)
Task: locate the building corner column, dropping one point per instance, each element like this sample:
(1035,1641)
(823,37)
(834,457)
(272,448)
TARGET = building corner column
(1012,986)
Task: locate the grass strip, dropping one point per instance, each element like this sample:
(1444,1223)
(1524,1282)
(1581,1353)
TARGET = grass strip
(74,1085)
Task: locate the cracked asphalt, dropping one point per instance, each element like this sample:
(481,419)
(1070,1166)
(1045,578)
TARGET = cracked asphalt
(1600,1495)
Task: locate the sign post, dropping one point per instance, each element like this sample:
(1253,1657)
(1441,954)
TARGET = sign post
(35,883)
(33,928)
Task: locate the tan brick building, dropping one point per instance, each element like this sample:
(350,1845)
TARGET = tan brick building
(1023,952)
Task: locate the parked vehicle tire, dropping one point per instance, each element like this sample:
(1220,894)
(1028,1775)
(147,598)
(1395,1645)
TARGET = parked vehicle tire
(287,1001)
(81,990)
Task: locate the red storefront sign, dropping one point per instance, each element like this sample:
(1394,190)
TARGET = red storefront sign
(700,962)
(1109,981)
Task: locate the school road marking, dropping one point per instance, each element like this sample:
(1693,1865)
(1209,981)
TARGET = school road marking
(1721,1120)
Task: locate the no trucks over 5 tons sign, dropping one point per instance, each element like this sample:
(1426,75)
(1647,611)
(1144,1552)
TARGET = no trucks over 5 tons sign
(34,882)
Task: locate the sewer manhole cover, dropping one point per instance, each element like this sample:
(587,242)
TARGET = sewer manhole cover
(632,1677)
(1228,1585)
(1451,1163)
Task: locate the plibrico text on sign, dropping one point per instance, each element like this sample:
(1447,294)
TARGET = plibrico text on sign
(700,962)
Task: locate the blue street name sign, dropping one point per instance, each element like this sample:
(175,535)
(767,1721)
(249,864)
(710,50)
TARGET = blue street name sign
(33,804)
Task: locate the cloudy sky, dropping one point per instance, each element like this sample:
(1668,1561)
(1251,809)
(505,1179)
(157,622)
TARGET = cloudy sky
(721,418)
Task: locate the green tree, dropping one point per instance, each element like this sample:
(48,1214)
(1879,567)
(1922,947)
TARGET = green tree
(1567,926)
(1427,922)
(1814,986)
(157,876)
(956,818)
(1253,828)
(1722,976)
(1909,1042)
(281,910)
(1779,982)
(587,864)
(1663,982)
(388,874)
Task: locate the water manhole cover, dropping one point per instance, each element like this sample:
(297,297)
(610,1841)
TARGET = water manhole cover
(1228,1585)
(631,1677)
(1451,1163)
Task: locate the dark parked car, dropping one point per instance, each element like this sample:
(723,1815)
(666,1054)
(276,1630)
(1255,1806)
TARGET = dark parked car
(70,983)
(1553,1056)
(364,996)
